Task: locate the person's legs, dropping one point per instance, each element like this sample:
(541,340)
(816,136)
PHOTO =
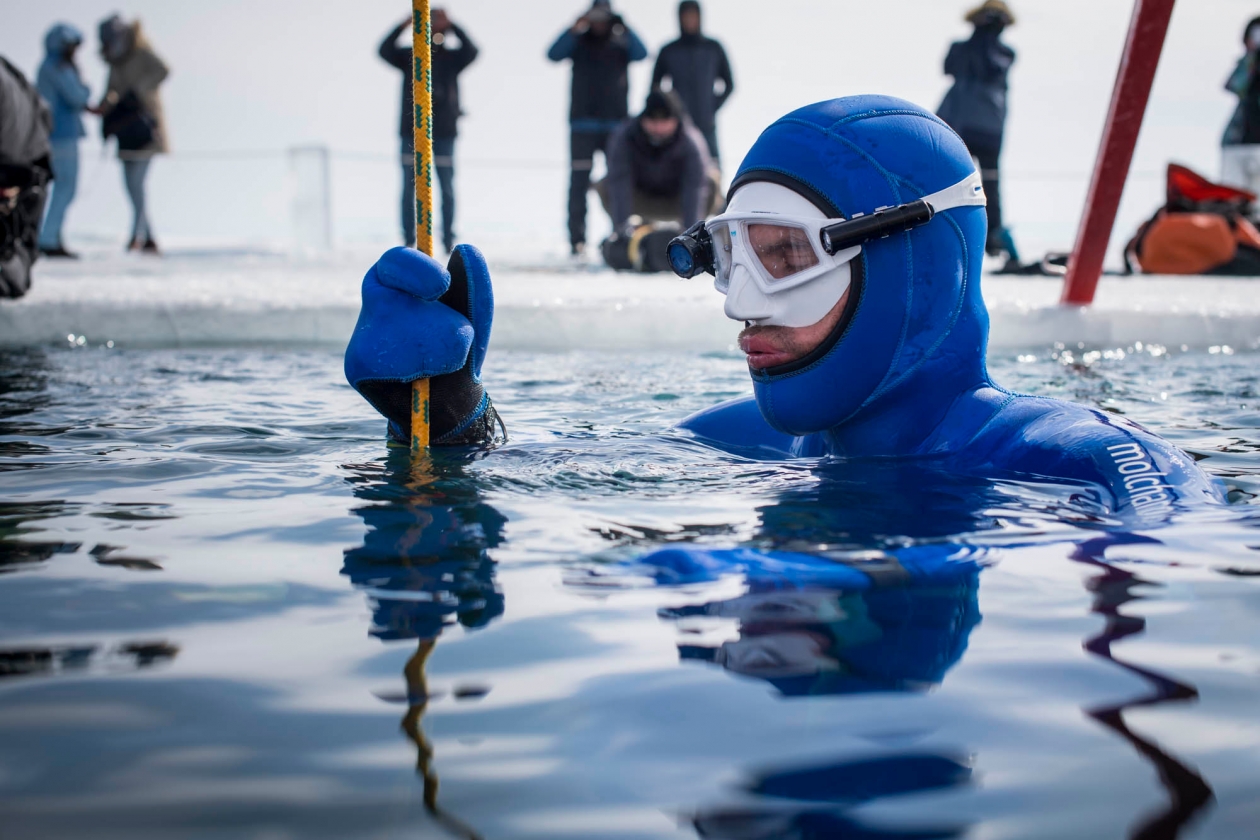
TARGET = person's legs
(408,205)
(65,164)
(444,163)
(1251,165)
(987,156)
(1232,172)
(582,148)
(135,170)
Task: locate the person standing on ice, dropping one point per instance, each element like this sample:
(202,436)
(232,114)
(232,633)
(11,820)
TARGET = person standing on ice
(132,112)
(975,107)
(698,73)
(62,87)
(1240,147)
(452,52)
(601,47)
(851,251)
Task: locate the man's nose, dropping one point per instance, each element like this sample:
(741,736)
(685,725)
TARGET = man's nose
(744,301)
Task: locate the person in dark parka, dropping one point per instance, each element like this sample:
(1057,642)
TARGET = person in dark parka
(1240,147)
(601,48)
(698,72)
(658,167)
(449,60)
(25,170)
(975,106)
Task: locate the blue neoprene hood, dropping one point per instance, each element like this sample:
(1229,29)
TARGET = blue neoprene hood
(915,336)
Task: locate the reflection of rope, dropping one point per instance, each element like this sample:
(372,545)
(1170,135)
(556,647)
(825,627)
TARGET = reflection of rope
(418,701)
(1188,792)
(420,476)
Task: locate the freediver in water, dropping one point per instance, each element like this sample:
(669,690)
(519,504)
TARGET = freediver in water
(851,250)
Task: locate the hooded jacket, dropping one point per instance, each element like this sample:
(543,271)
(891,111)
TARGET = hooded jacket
(1244,125)
(24,164)
(903,375)
(134,66)
(976,104)
(693,64)
(601,84)
(59,83)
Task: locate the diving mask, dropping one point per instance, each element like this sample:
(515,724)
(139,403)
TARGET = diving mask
(781,261)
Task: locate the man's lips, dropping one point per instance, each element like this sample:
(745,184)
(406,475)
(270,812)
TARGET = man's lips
(761,349)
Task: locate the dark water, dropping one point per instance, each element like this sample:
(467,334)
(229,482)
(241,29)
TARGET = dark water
(227,611)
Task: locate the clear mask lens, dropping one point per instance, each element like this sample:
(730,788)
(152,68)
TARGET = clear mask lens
(782,250)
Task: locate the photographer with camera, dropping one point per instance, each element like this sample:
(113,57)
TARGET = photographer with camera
(601,47)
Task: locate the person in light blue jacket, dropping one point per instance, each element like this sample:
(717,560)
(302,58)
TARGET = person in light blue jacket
(61,86)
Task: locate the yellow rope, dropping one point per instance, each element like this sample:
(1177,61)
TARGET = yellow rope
(422,97)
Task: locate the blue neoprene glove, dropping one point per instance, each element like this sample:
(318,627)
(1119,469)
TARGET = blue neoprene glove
(422,321)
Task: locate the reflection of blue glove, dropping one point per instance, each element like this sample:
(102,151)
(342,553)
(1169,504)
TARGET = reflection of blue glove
(937,563)
(419,321)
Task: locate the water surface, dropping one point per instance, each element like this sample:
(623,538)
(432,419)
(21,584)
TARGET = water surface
(226,610)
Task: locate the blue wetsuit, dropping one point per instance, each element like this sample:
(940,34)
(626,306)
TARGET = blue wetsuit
(903,374)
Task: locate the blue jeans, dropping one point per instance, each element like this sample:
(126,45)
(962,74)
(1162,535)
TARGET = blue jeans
(444,164)
(65,164)
(135,170)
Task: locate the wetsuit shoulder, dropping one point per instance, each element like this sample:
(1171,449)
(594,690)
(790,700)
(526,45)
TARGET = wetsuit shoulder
(1144,475)
(736,426)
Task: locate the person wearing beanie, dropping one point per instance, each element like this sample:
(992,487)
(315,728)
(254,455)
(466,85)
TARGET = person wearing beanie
(1240,147)
(698,71)
(975,107)
(658,167)
(601,46)
(62,87)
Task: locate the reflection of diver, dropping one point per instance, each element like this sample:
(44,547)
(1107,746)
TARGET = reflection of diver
(878,625)
(809,803)
(822,621)
(825,623)
(424,564)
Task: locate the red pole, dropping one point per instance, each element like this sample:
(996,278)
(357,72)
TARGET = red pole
(1147,30)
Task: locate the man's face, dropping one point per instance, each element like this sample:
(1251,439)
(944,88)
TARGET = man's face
(690,21)
(439,21)
(659,129)
(767,346)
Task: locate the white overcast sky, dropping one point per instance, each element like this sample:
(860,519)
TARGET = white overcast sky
(260,76)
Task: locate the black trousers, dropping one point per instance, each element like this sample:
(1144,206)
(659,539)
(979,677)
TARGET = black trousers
(582,148)
(987,149)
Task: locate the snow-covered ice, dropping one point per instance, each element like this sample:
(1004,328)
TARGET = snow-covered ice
(218,298)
